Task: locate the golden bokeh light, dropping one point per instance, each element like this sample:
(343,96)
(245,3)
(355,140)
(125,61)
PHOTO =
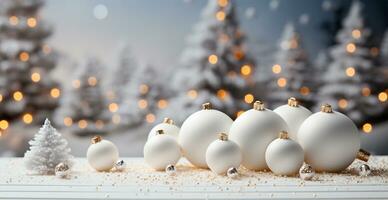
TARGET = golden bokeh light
(162,104)
(351,48)
(383,96)
(46,49)
(374,51)
(1,97)
(249,98)
(142,103)
(27,118)
(282,82)
(55,93)
(13,20)
(220,15)
(350,71)
(276,68)
(35,77)
(82,124)
(304,91)
(342,103)
(192,94)
(17,96)
(365,91)
(223,3)
(367,128)
(239,54)
(4,124)
(113,107)
(92,81)
(213,59)
(143,89)
(67,121)
(239,113)
(222,94)
(76,84)
(356,33)
(150,118)
(246,70)
(24,56)
(99,124)
(31,22)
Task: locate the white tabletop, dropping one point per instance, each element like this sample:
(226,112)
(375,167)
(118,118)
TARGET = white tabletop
(141,182)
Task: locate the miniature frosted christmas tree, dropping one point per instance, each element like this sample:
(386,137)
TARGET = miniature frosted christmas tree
(293,76)
(215,66)
(26,86)
(142,95)
(47,150)
(348,80)
(83,107)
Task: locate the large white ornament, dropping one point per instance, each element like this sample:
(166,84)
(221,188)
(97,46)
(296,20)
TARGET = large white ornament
(330,139)
(253,131)
(284,156)
(167,126)
(161,151)
(199,130)
(293,114)
(102,154)
(223,154)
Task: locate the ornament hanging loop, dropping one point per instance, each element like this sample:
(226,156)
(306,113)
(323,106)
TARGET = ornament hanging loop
(326,108)
(223,136)
(363,155)
(96,139)
(293,102)
(258,105)
(283,135)
(206,106)
(168,120)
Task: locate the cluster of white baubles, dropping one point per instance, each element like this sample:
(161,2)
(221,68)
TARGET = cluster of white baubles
(281,140)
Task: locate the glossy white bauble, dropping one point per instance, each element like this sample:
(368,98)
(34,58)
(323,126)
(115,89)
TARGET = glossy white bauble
(102,154)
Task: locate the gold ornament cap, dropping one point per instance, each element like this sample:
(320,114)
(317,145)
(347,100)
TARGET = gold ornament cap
(363,155)
(160,132)
(168,120)
(258,105)
(206,106)
(223,136)
(293,102)
(326,108)
(96,139)
(283,135)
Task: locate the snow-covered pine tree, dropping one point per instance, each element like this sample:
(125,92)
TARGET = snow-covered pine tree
(141,97)
(26,86)
(48,149)
(121,73)
(83,107)
(347,82)
(215,66)
(293,76)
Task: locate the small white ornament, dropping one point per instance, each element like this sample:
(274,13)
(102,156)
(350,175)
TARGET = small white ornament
(232,173)
(102,154)
(62,170)
(253,131)
(171,170)
(306,172)
(223,154)
(293,114)
(167,126)
(331,140)
(364,170)
(199,130)
(161,150)
(284,156)
(120,165)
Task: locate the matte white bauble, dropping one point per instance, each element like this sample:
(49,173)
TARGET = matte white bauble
(330,139)
(284,156)
(293,114)
(161,150)
(167,126)
(253,131)
(102,154)
(223,154)
(199,130)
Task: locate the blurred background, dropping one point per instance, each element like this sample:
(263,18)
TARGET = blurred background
(116,68)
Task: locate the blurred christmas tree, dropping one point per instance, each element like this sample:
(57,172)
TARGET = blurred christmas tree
(293,76)
(83,107)
(349,79)
(26,87)
(215,66)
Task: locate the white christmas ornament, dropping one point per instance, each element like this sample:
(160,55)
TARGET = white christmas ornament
(102,154)
(253,131)
(293,114)
(161,151)
(222,154)
(284,156)
(330,140)
(167,126)
(199,130)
